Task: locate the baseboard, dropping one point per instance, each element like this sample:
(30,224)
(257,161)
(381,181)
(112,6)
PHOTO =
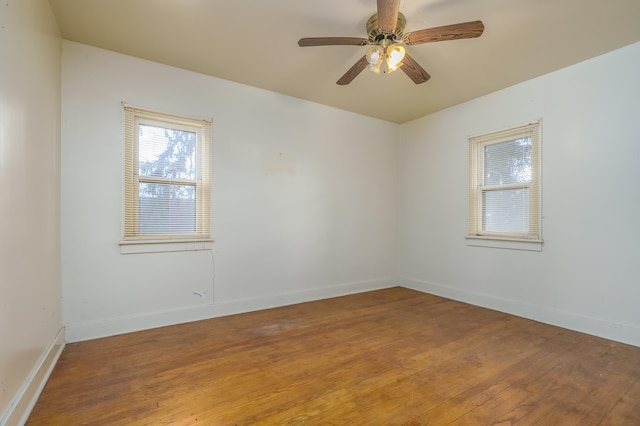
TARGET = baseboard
(624,333)
(113,326)
(21,407)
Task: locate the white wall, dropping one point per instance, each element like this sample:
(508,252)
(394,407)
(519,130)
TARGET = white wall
(316,221)
(588,275)
(30,289)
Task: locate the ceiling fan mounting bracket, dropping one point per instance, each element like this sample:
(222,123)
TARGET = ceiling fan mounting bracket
(376,35)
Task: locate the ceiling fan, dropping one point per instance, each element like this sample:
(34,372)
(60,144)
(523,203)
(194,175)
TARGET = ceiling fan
(387,40)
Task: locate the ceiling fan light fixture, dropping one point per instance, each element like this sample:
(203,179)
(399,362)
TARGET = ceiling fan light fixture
(394,56)
(384,58)
(374,55)
(375,58)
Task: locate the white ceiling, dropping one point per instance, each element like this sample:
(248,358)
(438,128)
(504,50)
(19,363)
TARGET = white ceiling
(255,42)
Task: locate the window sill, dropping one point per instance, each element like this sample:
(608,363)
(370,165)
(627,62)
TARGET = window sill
(161,246)
(504,243)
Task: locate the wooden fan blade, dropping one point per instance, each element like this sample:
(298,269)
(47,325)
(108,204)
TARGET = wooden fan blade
(388,15)
(414,70)
(448,32)
(353,71)
(332,41)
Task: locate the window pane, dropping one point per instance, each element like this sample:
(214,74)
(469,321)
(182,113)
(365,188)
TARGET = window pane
(507,162)
(166,153)
(506,211)
(167,208)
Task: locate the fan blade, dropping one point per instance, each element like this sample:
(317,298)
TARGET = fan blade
(353,71)
(332,41)
(414,70)
(448,32)
(388,15)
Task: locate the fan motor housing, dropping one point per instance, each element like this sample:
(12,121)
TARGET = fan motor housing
(375,35)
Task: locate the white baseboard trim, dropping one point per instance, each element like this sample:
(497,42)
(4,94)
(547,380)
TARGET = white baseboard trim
(27,396)
(113,326)
(624,333)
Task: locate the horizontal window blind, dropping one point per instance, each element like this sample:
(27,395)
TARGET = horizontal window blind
(167,176)
(504,183)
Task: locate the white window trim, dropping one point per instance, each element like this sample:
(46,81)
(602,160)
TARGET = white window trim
(132,244)
(504,241)
(162,246)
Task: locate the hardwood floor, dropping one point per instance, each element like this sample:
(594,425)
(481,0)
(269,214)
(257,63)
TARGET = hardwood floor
(395,356)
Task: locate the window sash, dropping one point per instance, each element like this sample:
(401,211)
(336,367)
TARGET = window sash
(132,230)
(495,229)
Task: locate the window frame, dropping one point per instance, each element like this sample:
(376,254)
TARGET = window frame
(132,238)
(476,236)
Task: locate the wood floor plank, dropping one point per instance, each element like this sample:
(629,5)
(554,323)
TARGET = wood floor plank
(625,409)
(392,356)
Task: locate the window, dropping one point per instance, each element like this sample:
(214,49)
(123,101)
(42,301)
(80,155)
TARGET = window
(504,186)
(167,179)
